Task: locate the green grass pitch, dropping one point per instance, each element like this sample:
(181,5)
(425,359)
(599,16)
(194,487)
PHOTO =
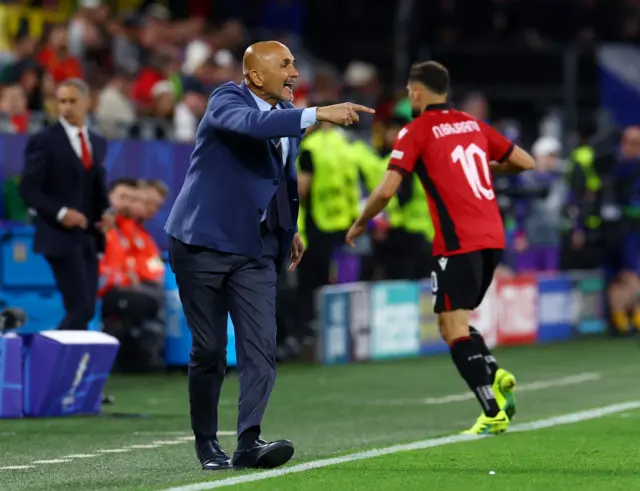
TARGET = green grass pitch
(336,411)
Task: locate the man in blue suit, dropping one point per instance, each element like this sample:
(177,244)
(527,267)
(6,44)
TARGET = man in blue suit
(232,227)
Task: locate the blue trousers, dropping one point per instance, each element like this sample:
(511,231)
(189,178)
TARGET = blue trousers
(212,285)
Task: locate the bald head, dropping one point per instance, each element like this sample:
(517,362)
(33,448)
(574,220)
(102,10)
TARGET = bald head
(269,71)
(261,54)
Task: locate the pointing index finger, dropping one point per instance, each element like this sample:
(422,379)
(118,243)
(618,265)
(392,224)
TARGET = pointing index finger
(362,109)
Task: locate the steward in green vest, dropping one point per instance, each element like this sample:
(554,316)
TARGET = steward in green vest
(329,186)
(586,185)
(401,248)
(583,222)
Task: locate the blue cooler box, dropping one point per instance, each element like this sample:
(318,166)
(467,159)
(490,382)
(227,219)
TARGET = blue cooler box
(11,380)
(65,371)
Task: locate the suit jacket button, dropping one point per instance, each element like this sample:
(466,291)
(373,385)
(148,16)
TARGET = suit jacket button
(260,212)
(275,182)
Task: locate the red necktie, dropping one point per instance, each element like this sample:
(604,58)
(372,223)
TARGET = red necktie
(86,154)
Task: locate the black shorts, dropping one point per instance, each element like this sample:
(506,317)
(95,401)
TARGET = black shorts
(460,282)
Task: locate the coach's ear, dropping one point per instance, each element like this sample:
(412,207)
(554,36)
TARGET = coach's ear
(390,184)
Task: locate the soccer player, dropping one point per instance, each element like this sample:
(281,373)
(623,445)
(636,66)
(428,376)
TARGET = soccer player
(453,154)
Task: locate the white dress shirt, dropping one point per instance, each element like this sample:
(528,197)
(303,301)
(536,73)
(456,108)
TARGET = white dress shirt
(308,119)
(74,139)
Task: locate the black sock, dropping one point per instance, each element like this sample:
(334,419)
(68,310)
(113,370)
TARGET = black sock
(473,369)
(489,359)
(248,437)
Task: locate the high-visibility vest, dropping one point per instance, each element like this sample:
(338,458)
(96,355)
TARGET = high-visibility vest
(373,168)
(334,194)
(584,157)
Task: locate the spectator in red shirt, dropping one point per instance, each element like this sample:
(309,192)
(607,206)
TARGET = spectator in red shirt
(159,68)
(149,265)
(131,308)
(55,57)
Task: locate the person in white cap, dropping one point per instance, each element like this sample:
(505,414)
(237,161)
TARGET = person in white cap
(538,214)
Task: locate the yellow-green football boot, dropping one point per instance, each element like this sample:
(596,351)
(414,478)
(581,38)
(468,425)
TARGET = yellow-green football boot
(489,426)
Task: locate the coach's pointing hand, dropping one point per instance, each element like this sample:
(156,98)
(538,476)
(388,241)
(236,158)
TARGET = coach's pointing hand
(343,114)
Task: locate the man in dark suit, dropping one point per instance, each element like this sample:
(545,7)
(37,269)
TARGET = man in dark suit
(232,227)
(64,183)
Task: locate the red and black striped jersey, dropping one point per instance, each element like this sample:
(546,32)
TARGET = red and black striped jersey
(450,152)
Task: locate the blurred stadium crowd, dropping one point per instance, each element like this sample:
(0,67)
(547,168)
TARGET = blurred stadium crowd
(151,67)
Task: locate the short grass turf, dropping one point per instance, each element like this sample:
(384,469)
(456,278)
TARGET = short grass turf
(328,411)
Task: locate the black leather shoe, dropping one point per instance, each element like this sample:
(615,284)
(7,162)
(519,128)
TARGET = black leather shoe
(263,455)
(211,456)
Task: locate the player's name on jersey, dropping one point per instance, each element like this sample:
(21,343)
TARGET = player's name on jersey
(446,129)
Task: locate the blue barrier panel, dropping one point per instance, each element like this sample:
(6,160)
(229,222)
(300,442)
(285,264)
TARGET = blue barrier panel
(177,335)
(333,310)
(588,289)
(395,329)
(554,312)
(345,322)
(359,342)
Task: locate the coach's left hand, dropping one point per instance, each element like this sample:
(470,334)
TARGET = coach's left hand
(297,250)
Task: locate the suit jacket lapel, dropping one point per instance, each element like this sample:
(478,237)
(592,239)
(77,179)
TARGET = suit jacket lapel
(73,156)
(274,142)
(94,148)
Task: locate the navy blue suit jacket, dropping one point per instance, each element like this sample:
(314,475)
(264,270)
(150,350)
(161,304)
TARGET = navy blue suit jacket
(54,177)
(235,169)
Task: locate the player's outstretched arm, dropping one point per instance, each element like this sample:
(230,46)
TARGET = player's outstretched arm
(517,161)
(377,201)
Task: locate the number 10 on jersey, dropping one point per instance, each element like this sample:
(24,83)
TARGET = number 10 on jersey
(471,159)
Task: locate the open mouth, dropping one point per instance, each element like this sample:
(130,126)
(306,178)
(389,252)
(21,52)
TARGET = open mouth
(289,85)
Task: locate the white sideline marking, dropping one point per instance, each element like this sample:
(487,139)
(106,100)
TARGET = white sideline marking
(99,453)
(579,378)
(430,443)
(52,461)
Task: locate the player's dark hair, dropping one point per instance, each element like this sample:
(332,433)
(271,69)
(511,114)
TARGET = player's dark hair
(433,75)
